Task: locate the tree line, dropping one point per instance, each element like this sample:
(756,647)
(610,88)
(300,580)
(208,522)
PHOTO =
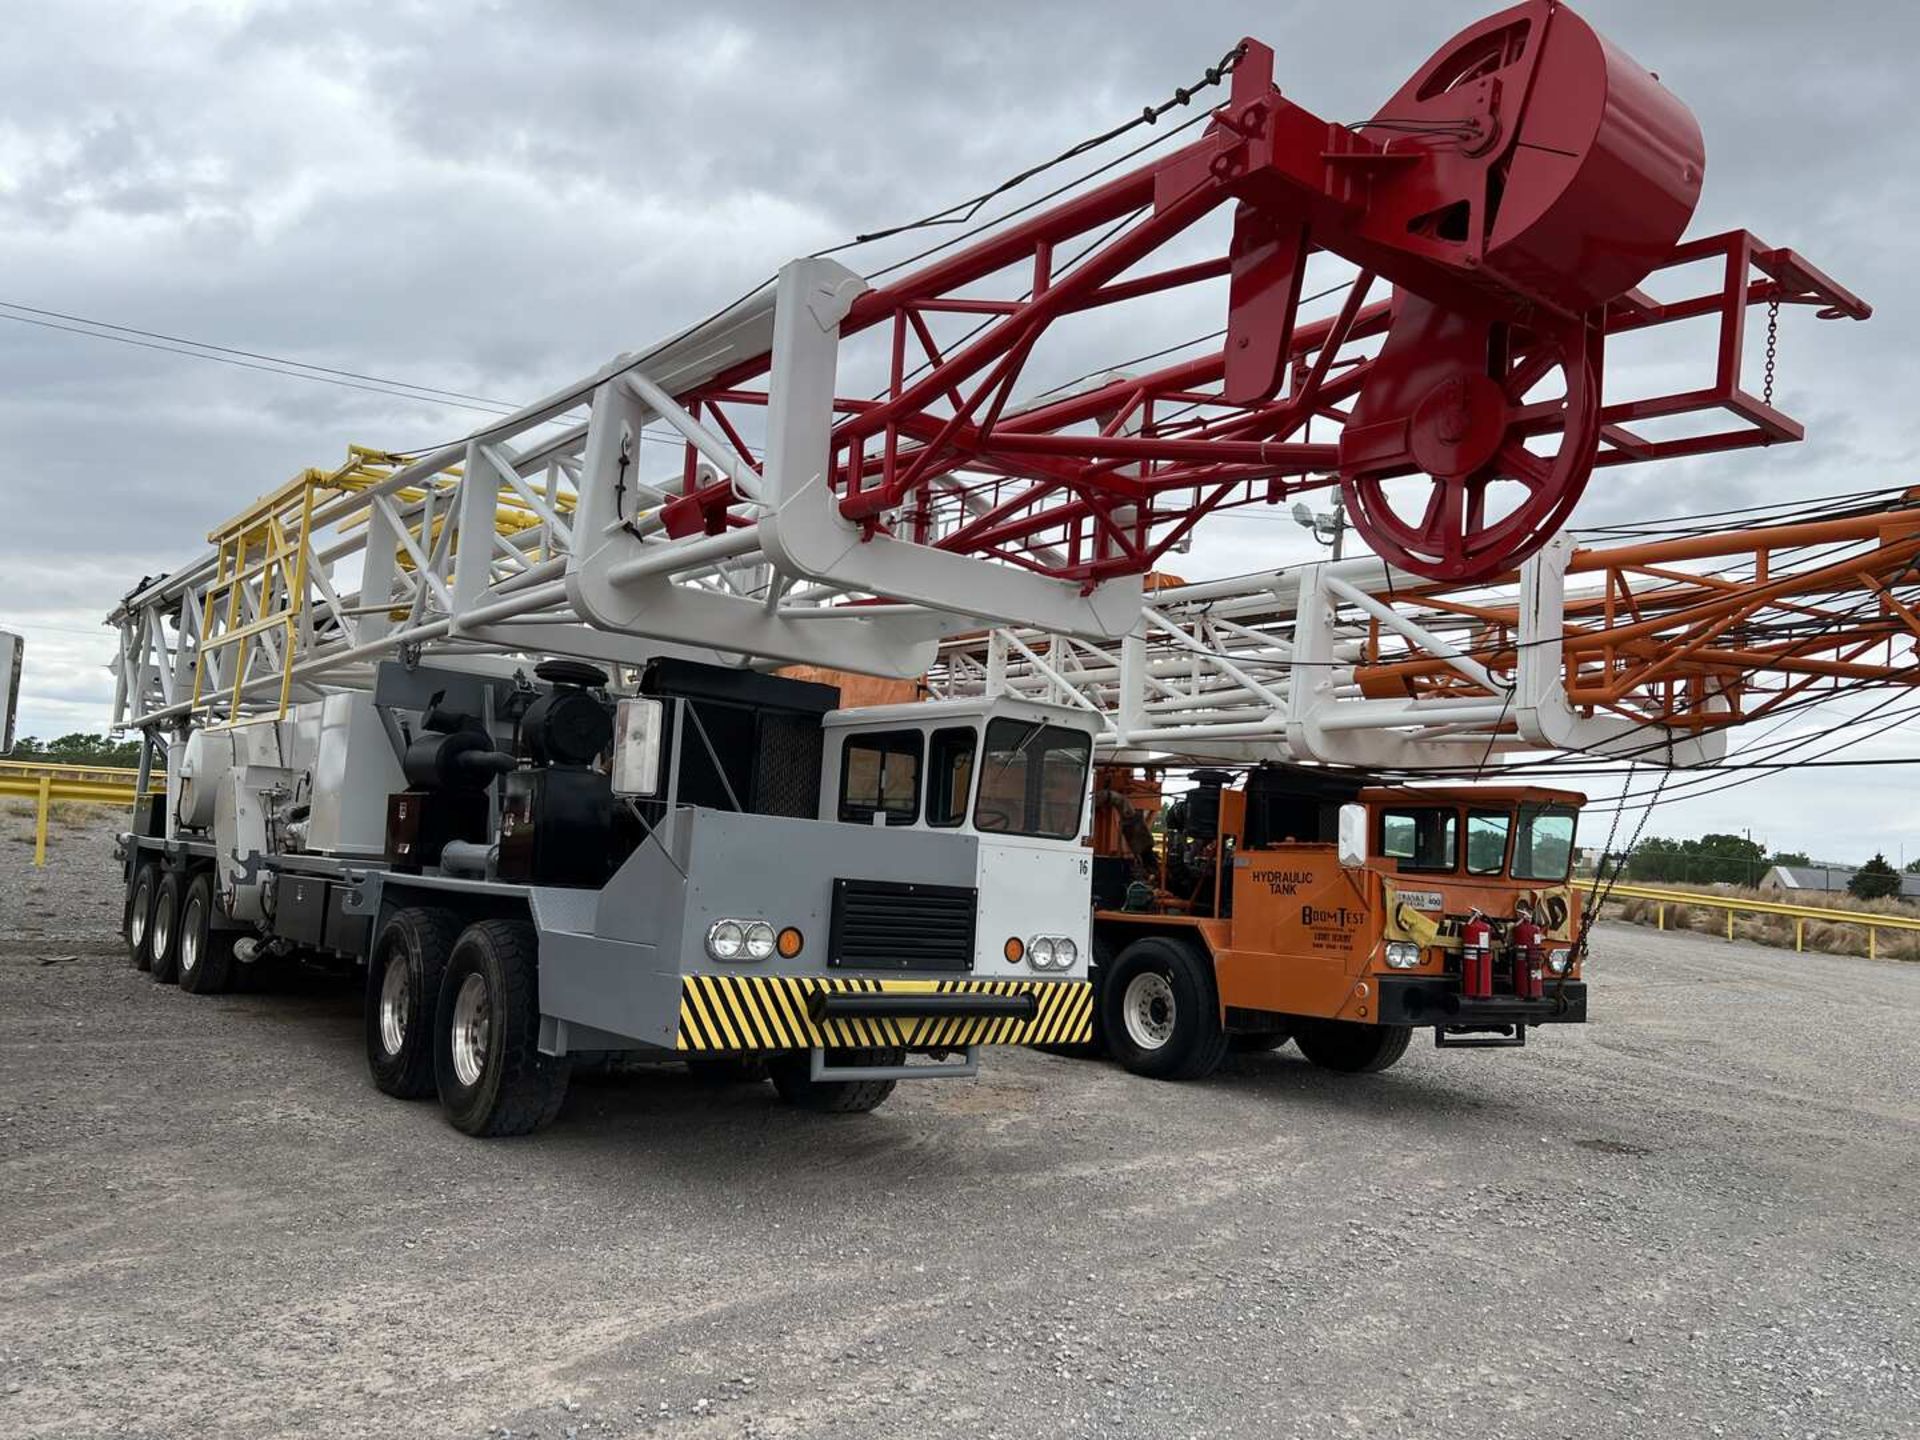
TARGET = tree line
(77,749)
(1737,860)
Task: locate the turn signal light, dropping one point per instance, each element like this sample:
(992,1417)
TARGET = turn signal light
(789,943)
(1015,950)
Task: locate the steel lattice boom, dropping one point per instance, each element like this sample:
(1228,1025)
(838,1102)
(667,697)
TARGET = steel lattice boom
(1655,651)
(1513,211)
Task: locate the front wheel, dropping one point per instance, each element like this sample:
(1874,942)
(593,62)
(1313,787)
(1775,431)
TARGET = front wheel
(792,1076)
(1160,1010)
(1352,1048)
(487,1064)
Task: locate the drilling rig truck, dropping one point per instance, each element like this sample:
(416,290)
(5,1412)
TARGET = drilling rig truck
(499,720)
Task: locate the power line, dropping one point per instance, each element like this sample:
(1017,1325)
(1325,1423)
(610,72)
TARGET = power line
(481,400)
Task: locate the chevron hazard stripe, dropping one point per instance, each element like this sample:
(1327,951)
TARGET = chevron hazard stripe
(771,1012)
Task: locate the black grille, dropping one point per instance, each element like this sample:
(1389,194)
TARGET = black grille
(888,925)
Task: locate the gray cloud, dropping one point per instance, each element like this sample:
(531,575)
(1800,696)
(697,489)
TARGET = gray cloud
(493,198)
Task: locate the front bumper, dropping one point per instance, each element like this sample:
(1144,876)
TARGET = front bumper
(1436,1000)
(786,1012)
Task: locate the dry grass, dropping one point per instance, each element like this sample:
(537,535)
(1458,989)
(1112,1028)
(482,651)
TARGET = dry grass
(61,814)
(1825,937)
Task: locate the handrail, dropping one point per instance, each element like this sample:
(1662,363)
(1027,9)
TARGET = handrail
(1799,914)
(44,782)
(60,767)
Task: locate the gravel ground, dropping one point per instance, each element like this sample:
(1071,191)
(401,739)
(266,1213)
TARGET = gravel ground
(1695,1216)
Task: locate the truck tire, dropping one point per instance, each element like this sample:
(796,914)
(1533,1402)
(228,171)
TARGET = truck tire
(1257,1042)
(205,954)
(138,923)
(163,930)
(1160,1010)
(403,991)
(792,1077)
(1350,1047)
(487,1064)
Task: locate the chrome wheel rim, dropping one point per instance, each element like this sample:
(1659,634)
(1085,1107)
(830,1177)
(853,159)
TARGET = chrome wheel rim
(1147,1008)
(162,927)
(137,923)
(190,939)
(396,1005)
(472,1024)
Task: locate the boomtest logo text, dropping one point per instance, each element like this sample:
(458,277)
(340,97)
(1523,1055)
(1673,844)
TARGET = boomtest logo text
(1312,915)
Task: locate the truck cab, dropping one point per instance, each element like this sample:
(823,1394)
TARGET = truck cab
(1291,903)
(1007,777)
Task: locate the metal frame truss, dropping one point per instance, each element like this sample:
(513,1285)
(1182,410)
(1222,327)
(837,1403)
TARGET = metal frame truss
(1655,651)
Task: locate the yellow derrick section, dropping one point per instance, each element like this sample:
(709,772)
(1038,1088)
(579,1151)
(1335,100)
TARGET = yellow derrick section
(266,567)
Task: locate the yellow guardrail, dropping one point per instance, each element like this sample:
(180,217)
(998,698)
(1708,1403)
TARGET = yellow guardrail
(1741,905)
(44,782)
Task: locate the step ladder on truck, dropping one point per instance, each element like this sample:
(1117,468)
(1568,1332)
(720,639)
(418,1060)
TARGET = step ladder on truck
(499,721)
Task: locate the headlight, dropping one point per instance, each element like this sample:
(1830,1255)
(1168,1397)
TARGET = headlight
(1040,952)
(1403,955)
(1065,952)
(759,939)
(1558,960)
(726,939)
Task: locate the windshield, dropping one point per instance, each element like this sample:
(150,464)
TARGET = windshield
(1543,850)
(1033,779)
(1487,841)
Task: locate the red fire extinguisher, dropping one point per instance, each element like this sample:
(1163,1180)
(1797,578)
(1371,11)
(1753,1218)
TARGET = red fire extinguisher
(1476,957)
(1529,983)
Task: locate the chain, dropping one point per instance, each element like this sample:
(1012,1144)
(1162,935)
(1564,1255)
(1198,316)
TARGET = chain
(1773,346)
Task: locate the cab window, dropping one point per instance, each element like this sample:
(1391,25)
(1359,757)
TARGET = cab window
(1033,779)
(1420,839)
(880,775)
(1543,848)
(949,775)
(1487,841)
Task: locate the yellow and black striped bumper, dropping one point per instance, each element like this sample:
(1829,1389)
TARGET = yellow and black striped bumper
(779,1012)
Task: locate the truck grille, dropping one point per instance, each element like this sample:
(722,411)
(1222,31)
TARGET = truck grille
(890,925)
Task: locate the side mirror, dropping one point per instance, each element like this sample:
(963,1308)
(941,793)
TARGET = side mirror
(1353,836)
(638,724)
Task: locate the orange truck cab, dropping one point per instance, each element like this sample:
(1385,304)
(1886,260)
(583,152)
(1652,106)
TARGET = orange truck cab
(1283,903)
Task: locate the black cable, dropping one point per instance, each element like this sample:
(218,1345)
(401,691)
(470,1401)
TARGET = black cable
(481,400)
(486,408)
(970,208)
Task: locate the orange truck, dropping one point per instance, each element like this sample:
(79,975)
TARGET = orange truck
(1286,903)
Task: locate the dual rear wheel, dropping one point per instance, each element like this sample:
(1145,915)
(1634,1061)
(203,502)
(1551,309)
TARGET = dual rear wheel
(454,1010)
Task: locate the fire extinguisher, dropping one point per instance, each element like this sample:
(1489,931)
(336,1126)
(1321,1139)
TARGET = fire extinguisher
(1529,983)
(1476,957)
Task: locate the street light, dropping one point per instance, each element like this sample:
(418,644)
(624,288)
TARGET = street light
(1328,529)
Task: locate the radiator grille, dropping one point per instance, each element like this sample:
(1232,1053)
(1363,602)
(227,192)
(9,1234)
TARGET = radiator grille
(890,925)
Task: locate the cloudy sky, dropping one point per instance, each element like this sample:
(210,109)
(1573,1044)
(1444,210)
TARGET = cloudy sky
(493,199)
